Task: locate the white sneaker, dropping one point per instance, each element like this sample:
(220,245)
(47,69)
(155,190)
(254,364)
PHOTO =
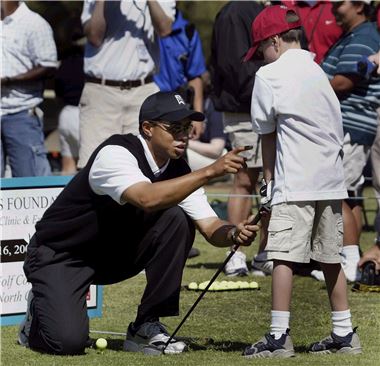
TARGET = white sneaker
(261,266)
(351,269)
(237,265)
(151,338)
(317,275)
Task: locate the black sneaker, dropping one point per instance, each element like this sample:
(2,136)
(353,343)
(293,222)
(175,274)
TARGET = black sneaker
(24,330)
(151,338)
(349,344)
(268,346)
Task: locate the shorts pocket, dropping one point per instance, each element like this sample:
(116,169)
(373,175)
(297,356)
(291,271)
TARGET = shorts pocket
(339,232)
(279,235)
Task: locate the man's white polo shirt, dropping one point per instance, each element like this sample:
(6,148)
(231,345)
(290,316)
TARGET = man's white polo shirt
(293,96)
(27,42)
(115,169)
(130,50)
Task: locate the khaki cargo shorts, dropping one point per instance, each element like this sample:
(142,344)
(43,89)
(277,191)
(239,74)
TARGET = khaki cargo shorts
(354,160)
(300,231)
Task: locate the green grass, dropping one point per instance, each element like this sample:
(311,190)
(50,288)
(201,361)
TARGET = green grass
(222,324)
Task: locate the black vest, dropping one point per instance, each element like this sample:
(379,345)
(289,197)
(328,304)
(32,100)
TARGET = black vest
(79,217)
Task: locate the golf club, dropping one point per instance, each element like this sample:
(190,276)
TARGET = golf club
(255,220)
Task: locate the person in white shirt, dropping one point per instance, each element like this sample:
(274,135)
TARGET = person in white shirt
(121,56)
(297,113)
(133,207)
(28,56)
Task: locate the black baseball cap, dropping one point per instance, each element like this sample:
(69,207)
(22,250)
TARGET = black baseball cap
(168,107)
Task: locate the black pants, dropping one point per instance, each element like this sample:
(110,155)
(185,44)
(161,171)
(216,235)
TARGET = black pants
(60,281)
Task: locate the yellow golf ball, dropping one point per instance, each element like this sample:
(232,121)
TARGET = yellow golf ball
(101,343)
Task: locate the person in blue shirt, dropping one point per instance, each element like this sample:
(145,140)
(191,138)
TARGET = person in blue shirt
(181,65)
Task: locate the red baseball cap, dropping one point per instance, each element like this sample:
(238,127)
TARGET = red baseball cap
(270,21)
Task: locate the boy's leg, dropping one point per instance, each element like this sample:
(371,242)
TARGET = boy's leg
(327,241)
(282,284)
(343,338)
(336,286)
(290,230)
(60,283)
(277,343)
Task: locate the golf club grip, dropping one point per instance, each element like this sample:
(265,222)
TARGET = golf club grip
(255,220)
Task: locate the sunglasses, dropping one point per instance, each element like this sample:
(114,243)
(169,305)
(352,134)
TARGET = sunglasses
(174,128)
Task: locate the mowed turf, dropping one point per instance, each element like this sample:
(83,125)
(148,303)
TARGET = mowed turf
(223,323)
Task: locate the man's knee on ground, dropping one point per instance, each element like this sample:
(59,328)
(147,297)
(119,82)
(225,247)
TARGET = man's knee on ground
(72,343)
(63,342)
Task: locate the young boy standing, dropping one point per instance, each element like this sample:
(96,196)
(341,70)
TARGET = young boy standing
(297,113)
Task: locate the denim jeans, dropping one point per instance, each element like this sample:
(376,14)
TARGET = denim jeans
(22,142)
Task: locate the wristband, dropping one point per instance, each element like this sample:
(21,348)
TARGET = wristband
(234,235)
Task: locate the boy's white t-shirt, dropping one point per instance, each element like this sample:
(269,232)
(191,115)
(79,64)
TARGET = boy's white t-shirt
(294,96)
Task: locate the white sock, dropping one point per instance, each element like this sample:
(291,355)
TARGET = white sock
(341,322)
(351,252)
(280,323)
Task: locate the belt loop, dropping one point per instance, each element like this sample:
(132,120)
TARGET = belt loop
(123,84)
(142,81)
(103,81)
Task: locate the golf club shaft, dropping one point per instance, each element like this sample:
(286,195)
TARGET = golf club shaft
(255,220)
(107,332)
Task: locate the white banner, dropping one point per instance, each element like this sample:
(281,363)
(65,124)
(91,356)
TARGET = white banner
(21,207)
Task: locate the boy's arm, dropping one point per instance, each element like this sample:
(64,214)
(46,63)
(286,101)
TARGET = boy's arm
(268,147)
(264,123)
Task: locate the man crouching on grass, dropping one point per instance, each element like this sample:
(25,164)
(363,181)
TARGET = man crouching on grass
(134,206)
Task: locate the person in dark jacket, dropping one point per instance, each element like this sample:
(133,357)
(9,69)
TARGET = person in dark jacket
(133,207)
